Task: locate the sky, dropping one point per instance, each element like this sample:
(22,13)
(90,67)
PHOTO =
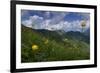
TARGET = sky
(55,20)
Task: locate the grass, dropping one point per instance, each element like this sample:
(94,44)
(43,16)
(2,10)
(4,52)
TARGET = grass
(51,49)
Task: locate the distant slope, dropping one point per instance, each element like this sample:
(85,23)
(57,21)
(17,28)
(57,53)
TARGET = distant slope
(49,34)
(77,35)
(52,46)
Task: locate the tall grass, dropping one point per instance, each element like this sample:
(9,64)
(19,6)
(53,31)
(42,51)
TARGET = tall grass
(52,50)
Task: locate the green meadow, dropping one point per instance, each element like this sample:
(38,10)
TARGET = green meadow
(44,45)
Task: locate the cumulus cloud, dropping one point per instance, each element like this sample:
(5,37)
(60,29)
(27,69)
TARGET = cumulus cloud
(76,25)
(56,22)
(27,23)
(33,22)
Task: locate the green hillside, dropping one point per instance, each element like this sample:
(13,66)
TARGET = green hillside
(44,45)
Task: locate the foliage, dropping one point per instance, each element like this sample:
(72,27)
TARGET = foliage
(50,46)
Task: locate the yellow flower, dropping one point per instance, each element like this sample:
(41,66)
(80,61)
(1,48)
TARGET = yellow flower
(46,41)
(83,23)
(35,47)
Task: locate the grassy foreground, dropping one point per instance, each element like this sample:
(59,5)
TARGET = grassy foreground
(41,46)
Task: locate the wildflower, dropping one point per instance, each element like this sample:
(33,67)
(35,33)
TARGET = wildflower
(46,41)
(83,24)
(35,47)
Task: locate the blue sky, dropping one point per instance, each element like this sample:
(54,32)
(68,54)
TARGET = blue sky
(52,20)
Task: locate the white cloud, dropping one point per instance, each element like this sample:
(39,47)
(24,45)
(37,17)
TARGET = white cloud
(36,17)
(33,22)
(74,25)
(54,26)
(55,23)
(27,23)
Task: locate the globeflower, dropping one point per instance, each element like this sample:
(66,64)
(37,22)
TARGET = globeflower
(35,47)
